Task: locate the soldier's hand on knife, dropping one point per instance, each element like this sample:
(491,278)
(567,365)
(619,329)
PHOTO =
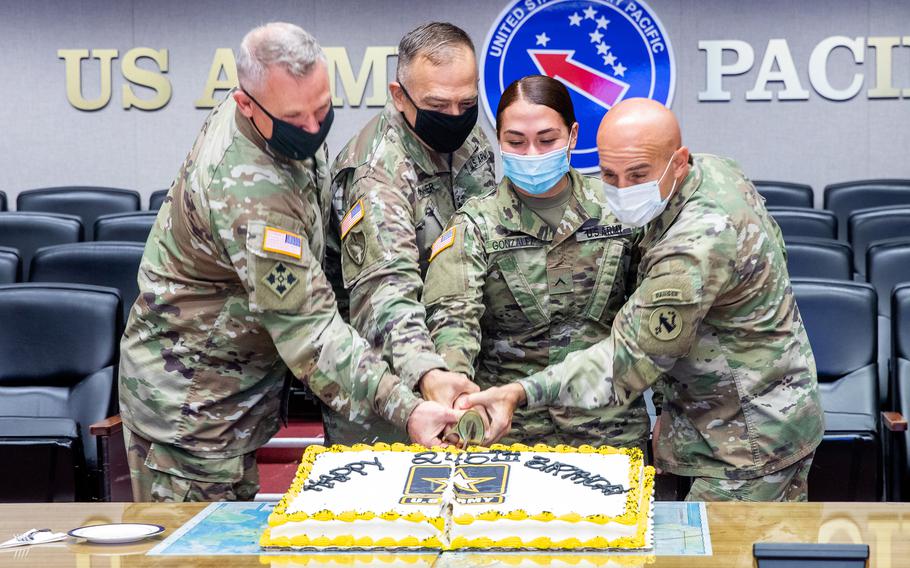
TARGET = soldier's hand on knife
(500,404)
(429,420)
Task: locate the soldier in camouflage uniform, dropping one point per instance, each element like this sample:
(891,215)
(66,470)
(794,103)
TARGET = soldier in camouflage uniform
(520,281)
(232,293)
(713,313)
(400,181)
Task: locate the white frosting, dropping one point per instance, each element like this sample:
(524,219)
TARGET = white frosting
(456,485)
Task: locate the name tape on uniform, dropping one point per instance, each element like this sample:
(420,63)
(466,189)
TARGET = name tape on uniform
(444,241)
(509,243)
(282,242)
(354,216)
(602,232)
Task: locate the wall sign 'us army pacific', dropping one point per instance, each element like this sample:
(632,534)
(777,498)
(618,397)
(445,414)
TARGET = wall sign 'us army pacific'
(603,50)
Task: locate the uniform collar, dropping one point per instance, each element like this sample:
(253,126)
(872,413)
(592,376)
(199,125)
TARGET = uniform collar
(656,229)
(251,133)
(427,159)
(515,216)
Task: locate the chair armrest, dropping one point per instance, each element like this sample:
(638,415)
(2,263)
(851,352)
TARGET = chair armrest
(113,425)
(894,421)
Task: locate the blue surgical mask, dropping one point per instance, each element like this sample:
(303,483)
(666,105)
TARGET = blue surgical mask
(536,174)
(638,205)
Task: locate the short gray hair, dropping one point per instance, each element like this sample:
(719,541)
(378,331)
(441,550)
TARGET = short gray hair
(276,44)
(436,41)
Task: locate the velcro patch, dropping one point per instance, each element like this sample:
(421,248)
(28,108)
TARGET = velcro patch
(509,243)
(665,323)
(282,242)
(666,294)
(601,232)
(443,242)
(354,216)
(280,279)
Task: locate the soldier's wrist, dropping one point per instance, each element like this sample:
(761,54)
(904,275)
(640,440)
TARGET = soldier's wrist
(418,365)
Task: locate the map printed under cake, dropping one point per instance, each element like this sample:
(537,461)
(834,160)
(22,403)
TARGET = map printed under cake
(505,497)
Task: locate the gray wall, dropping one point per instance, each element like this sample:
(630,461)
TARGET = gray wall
(48,142)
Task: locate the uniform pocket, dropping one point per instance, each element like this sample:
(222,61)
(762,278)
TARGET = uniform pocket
(517,289)
(608,291)
(278,257)
(174,461)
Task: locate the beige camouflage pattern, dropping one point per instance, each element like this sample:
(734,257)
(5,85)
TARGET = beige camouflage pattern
(163,473)
(408,193)
(785,485)
(220,319)
(512,296)
(714,311)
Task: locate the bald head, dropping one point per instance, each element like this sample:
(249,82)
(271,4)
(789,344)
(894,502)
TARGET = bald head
(635,142)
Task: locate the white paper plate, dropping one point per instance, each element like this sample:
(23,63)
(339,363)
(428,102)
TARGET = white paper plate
(116,532)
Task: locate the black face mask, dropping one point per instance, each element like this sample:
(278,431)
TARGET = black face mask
(442,132)
(292,141)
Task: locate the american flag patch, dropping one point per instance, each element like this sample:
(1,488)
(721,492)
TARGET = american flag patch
(444,241)
(282,242)
(354,216)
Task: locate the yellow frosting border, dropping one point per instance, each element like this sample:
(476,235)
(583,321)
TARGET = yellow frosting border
(631,515)
(349,559)
(637,541)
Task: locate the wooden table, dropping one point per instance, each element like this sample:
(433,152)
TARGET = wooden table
(734,527)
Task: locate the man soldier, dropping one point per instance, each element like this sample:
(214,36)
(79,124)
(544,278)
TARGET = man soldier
(400,180)
(232,292)
(713,324)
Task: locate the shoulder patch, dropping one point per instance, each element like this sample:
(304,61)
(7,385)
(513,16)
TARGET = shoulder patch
(282,242)
(665,323)
(666,294)
(443,242)
(350,220)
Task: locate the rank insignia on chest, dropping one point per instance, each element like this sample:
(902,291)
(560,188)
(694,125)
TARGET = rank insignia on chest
(665,323)
(444,241)
(354,216)
(282,242)
(601,232)
(280,279)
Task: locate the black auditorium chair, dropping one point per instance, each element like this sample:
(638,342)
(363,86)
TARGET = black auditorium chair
(805,222)
(3,205)
(840,320)
(112,264)
(784,193)
(845,198)
(27,232)
(887,265)
(134,227)
(899,448)
(865,226)
(58,349)
(819,258)
(156,199)
(86,202)
(10,266)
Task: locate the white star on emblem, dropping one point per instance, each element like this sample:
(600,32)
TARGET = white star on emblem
(602,48)
(609,59)
(461,480)
(595,36)
(575,19)
(619,69)
(542,39)
(590,12)
(602,22)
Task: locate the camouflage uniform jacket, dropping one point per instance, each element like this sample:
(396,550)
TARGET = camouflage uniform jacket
(232,294)
(509,296)
(715,312)
(399,195)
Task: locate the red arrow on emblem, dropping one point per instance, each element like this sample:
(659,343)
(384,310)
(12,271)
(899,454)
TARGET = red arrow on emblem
(597,86)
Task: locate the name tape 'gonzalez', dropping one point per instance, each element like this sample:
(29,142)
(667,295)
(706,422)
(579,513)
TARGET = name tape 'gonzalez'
(354,216)
(444,241)
(282,242)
